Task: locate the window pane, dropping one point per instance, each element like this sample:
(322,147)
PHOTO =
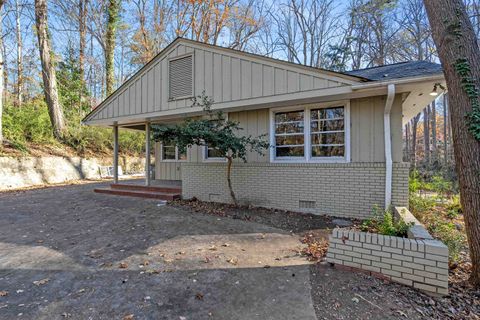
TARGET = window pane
(326,125)
(289,151)
(330,151)
(291,127)
(328,138)
(214,153)
(289,116)
(289,140)
(168,153)
(326,113)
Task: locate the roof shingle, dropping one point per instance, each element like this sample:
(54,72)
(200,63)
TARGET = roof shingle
(398,70)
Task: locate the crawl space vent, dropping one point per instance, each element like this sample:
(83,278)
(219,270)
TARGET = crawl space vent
(306,204)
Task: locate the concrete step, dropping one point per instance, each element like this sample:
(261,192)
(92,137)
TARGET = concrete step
(139,193)
(136,187)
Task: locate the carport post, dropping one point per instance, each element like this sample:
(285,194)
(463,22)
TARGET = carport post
(147,153)
(115,153)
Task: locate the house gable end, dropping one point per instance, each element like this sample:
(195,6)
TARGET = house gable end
(225,75)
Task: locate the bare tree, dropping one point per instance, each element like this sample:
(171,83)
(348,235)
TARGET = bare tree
(18,33)
(459,53)
(413,152)
(48,70)
(426,134)
(2,2)
(433,117)
(82,29)
(113,15)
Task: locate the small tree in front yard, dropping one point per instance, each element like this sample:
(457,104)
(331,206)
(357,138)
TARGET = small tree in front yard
(214,131)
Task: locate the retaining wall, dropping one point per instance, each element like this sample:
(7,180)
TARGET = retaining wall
(30,171)
(414,261)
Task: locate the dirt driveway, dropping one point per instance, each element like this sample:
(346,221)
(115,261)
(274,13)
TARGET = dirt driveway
(67,253)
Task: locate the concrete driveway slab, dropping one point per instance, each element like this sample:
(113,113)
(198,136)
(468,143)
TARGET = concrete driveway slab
(67,253)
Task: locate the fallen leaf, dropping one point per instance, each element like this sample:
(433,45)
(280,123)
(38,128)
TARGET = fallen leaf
(233,261)
(128,317)
(213,248)
(145,263)
(152,271)
(3,293)
(106,265)
(123,265)
(41,282)
(225,245)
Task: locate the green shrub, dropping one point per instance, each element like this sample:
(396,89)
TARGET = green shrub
(447,232)
(385,224)
(454,208)
(28,123)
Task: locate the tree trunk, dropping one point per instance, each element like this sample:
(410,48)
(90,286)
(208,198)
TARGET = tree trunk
(48,70)
(413,155)
(19,93)
(433,117)
(445,134)
(82,27)
(229,179)
(1,74)
(426,134)
(112,21)
(458,51)
(407,141)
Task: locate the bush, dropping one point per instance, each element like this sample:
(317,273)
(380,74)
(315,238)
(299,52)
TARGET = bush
(385,224)
(448,234)
(28,123)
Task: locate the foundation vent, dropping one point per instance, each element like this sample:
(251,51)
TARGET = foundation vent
(306,204)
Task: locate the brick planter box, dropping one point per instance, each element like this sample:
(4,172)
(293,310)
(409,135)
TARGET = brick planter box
(418,261)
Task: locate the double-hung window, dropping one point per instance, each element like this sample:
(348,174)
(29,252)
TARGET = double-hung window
(171,153)
(313,133)
(289,134)
(327,132)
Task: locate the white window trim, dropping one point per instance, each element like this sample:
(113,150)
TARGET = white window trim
(177,159)
(215,159)
(193,76)
(307,158)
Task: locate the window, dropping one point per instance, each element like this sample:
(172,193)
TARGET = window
(171,153)
(213,153)
(289,134)
(181,77)
(310,134)
(327,132)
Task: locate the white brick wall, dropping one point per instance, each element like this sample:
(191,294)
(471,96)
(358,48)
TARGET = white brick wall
(421,264)
(344,190)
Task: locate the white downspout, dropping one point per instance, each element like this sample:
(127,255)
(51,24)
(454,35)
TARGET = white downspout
(388,145)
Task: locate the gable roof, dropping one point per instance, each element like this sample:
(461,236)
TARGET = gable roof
(398,70)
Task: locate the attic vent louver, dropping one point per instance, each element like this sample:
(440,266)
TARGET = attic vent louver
(181,78)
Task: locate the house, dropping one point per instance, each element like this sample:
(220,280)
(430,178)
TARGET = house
(336,137)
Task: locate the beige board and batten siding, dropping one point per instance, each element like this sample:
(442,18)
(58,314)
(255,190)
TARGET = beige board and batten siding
(367,141)
(253,122)
(227,76)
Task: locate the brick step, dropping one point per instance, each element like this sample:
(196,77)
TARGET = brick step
(139,193)
(136,187)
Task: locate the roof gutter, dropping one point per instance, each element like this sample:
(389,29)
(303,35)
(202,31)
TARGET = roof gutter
(388,144)
(378,84)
